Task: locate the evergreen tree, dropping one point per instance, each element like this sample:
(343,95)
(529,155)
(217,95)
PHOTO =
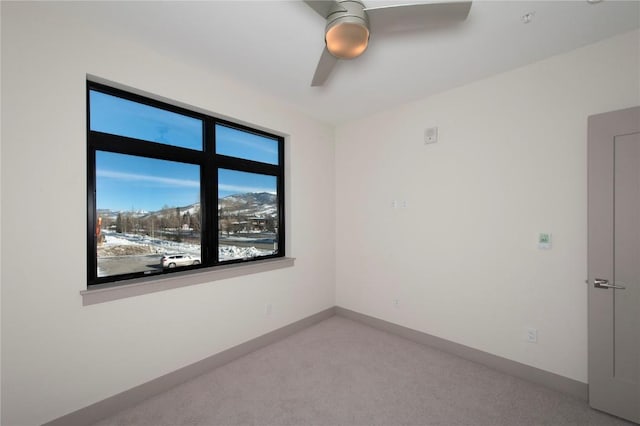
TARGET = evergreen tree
(119,223)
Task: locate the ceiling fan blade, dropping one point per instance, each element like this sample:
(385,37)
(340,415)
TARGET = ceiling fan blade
(413,16)
(324,68)
(322,7)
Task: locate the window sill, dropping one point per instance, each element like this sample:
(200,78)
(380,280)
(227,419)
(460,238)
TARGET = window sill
(114,291)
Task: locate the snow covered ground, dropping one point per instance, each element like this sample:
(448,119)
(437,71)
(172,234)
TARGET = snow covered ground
(159,246)
(233,252)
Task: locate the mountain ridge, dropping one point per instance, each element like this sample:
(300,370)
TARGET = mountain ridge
(249,203)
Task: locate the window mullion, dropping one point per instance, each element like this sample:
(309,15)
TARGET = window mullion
(281,198)
(210,195)
(91,216)
(131,146)
(243,165)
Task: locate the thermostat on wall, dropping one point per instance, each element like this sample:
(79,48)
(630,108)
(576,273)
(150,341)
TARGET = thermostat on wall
(544,241)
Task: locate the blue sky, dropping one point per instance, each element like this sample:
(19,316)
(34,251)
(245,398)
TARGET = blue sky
(118,116)
(233,182)
(125,182)
(237,143)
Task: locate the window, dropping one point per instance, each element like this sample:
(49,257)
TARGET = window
(170,189)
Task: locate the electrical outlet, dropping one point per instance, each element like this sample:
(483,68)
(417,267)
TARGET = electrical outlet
(532,335)
(431,135)
(396,303)
(267,309)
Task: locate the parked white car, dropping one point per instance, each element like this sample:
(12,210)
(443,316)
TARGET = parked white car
(178,259)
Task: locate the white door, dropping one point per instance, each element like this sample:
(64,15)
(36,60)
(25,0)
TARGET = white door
(614,262)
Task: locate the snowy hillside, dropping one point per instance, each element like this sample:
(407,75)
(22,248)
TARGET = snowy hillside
(257,204)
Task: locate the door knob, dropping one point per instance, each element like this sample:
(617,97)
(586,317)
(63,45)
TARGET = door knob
(602,283)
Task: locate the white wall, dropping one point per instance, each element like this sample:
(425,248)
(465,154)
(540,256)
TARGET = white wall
(58,356)
(462,258)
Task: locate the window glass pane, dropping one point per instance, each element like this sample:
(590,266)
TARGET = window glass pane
(247,215)
(117,116)
(148,214)
(241,144)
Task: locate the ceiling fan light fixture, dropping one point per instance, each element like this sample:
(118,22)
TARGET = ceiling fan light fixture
(347,40)
(346,34)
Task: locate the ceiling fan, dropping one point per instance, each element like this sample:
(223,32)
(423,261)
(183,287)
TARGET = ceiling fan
(349,23)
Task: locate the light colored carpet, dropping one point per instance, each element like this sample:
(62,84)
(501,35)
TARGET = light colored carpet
(340,372)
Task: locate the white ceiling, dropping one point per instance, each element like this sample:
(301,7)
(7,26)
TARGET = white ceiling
(274,46)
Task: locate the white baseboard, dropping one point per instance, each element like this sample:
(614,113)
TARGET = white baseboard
(504,365)
(119,402)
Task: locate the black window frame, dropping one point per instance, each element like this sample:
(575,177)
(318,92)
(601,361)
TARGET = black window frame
(209,163)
